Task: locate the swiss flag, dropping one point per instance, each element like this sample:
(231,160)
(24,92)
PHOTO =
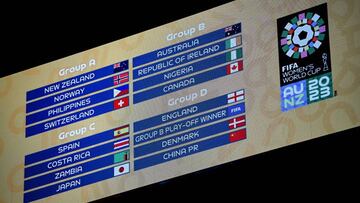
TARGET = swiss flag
(234,67)
(120,103)
(237,135)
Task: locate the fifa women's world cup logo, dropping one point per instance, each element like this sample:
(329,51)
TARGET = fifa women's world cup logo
(303,35)
(304,58)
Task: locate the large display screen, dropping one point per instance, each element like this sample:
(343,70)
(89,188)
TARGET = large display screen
(233,81)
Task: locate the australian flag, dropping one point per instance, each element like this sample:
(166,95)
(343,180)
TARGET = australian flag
(121,66)
(232,30)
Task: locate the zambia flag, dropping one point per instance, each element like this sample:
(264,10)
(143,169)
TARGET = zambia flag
(122,156)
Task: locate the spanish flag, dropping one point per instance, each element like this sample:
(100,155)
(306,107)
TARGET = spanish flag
(121,131)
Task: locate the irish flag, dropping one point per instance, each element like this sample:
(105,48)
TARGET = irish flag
(233,42)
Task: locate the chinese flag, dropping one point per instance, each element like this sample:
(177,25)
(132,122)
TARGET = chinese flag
(237,135)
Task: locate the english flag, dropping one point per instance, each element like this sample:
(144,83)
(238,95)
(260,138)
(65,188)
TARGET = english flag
(235,96)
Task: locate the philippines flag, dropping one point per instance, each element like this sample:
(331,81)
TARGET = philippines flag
(237,122)
(118,91)
(121,143)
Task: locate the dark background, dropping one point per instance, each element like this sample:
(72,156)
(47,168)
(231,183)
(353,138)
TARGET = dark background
(325,167)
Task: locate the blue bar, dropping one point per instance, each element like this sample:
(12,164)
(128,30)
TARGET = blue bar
(196,134)
(70,159)
(55,151)
(85,167)
(77,92)
(88,101)
(200,107)
(235,109)
(177,60)
(189,69)
(188,149)
(59,86)
(85,180)
(203,39)
(188,123)
(190,81)
(69,119)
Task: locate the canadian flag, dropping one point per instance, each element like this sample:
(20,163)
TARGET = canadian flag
(234,67)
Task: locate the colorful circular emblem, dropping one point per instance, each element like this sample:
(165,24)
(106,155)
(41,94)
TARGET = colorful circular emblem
(303,35)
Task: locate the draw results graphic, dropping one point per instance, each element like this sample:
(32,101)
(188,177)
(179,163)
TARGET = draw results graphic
(179,98)
(304,58)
